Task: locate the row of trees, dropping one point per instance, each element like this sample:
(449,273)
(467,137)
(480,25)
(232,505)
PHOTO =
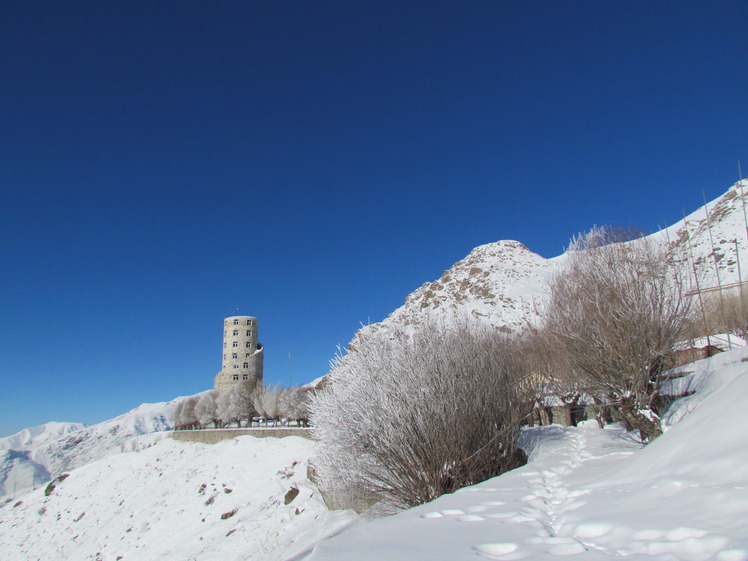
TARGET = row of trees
(410,415)
(241,404)
(727,312)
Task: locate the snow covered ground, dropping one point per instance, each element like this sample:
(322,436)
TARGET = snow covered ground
(595,494)
(177,501)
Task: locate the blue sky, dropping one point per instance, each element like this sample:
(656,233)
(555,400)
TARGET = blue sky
(311,163)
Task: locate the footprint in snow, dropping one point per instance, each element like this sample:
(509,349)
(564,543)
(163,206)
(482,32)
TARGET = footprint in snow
(497,550)
(471,518)
(445,512)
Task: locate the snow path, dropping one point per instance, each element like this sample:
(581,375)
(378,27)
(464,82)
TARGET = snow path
(520,515)
(562,505)
(594,494)
(550,496)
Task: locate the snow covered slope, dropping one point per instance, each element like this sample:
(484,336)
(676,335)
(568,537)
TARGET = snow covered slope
(503,283)
(246,498)
(19,474)
(507,284)
(727,218)
(595,494)
(586,493)
(33,456)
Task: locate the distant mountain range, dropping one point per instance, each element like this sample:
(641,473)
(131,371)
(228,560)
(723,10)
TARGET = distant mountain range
(31,457)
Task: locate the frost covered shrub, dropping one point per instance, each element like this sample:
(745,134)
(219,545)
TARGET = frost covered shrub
(616,312)
(411,416)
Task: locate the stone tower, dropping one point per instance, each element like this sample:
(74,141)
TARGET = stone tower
(242,354)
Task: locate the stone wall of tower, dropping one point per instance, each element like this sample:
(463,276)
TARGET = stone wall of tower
(242,354)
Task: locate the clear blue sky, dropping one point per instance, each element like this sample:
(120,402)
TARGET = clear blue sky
(312,162)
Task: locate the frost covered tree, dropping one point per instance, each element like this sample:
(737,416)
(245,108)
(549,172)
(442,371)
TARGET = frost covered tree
(727,312)
(410,416)
(206,410)
(188,419)
(293,404)
(299,407)
(236,403)
(267,402)
(175,416)
(616,311)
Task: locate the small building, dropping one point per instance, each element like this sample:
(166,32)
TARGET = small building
(242,354)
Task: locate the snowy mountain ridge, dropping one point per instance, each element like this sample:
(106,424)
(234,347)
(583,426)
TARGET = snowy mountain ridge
(503,282)
(35,436)
(33,456)
(506,284)
(721,221)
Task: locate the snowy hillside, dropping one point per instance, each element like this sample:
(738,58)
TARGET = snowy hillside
(507,284)
(595,494)
(33,456)
(246,498)
(504,283)
(727,218)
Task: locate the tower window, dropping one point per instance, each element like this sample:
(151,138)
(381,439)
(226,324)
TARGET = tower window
(246,355)
(233,355)
(249,332)
(236,377)
(245,377)
(236,332)
(249,322)
(235,344)
(248,345)
(236,322)
(246,365)
(236,366)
